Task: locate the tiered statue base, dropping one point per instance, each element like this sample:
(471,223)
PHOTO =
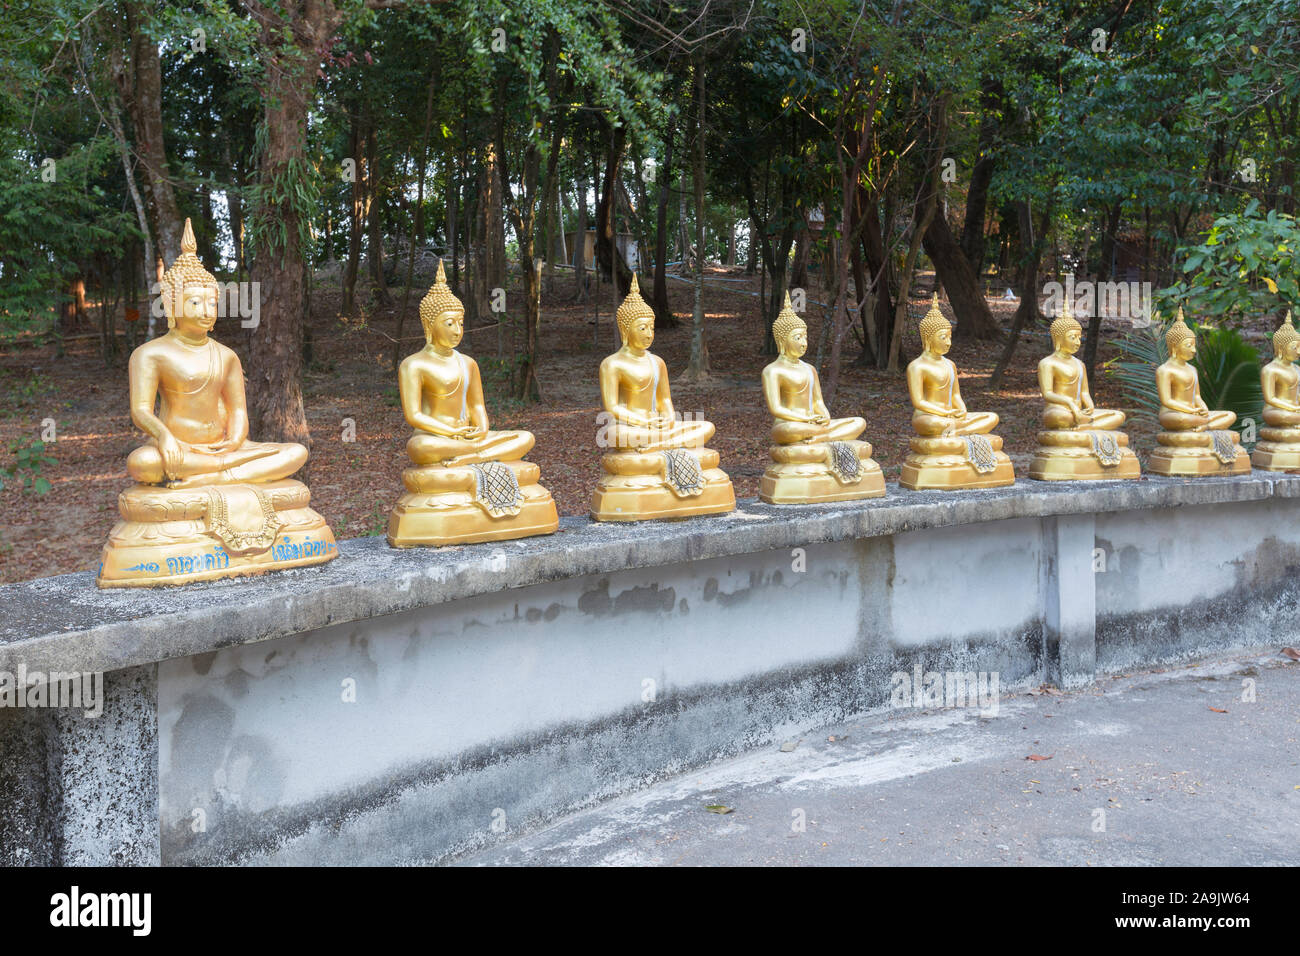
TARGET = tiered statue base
(180,536)
(940,464)
(633,488)
(1278,449)
(440,508)
(799,475)
(1185,454)
(1068,456)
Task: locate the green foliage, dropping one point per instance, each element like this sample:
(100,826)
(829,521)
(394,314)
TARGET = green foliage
(1246,261)
(499,375)
(29,460)
(1228,367)
(18,397)
(50,226)
(1226,364)
(378,520)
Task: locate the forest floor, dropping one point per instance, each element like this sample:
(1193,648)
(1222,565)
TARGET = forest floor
(354,484)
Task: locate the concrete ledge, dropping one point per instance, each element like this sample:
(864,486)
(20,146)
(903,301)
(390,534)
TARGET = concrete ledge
(66,623)
(408,706)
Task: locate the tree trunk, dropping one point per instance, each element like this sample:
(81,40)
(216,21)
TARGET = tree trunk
(494,228)
(802,249)
(608,256)
(1027,312)
(924,219)
(974,318)
(356,219)
(417,219)
(866,296)
(235,204)
(977,196)
(141,214)
(1107,269)
(375,218)
(751,262)
(551,203)
(279,267)
(664,317)
(580,237)
(697,366)
(881,267)
(145,108)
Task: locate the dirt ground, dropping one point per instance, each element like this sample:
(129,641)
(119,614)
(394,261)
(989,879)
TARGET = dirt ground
(355,483)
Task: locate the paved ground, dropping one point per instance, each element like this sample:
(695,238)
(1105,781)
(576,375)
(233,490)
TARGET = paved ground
(1143,771)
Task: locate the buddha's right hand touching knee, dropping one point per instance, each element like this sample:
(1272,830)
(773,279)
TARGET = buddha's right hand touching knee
(173,455)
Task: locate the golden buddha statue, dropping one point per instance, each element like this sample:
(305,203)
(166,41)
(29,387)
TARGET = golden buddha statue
(1079,440)
(815,458)
(1279,446)
(661,468)
(953,447)
(469,483)
(1196,440)
(209,503)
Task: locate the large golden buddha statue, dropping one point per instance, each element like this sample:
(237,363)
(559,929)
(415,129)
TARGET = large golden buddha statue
(1196,439)
(953,447)
(209,502)
(815,458)
(1279,446)
(469,483)
(660,467)
(1079,440)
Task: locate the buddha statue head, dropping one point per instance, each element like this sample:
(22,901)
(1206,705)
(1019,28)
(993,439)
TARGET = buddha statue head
(636,320)
(1286,341)
(936,331)
(189,291)
(442,314)
(1180,339)
(1067,333)
(790,331)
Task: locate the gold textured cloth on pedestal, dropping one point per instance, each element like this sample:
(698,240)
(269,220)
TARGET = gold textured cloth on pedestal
(1225,448)
(1106,448)
(844,462)
(242,518)
(497,489)
(682,473)
(979,452)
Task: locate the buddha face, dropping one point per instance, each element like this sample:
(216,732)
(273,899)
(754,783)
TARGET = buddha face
(198,309)
(1070,341)
(1186,349)
(940,342)
(795,343)
(641,333)
(447,329)
(1290,351)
